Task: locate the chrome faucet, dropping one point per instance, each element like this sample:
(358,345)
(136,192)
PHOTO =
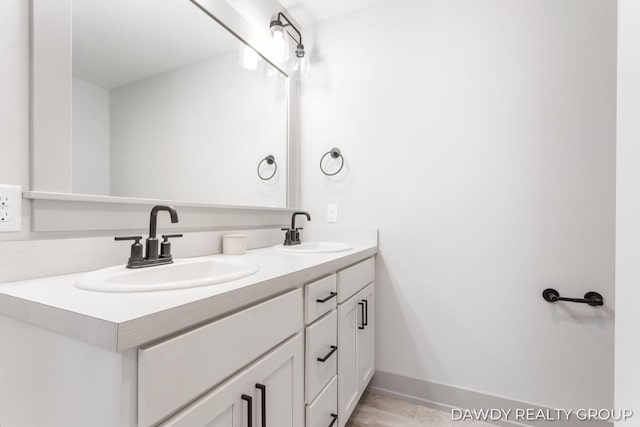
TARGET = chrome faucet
(292,235)
(152,255)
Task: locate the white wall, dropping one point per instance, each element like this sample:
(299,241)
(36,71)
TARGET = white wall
(90,134)
(197,133)
(480,139)
(628,209)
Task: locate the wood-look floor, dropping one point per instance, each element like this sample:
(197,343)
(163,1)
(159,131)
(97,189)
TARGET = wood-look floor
(375,410)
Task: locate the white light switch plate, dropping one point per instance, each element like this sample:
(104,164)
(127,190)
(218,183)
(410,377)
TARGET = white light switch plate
(10,208)
(332,213)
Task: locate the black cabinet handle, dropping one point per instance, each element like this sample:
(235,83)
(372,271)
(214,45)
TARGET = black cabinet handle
(335,418)
(361,304)
(331,295)
(324,359)
(366,312)
(263,410)
(249,401)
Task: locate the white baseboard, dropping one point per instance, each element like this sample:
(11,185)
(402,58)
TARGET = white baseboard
(446,398)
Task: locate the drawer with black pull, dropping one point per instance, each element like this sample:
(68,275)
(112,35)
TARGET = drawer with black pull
(321,354)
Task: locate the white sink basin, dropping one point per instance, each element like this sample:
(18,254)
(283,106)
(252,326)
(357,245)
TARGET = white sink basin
(182,274)
(314,247)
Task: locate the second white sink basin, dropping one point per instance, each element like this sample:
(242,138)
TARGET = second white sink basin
(182,274)
(314,247)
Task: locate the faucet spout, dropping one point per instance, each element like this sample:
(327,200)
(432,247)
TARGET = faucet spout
(153,226)
(293,218)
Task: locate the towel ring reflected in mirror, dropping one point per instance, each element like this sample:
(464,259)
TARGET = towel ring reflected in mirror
(269,160)
(334,153)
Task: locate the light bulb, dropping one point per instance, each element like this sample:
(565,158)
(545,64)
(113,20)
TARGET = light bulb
(249,58)
(279,48)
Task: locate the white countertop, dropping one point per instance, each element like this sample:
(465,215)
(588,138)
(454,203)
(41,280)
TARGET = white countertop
(122,321)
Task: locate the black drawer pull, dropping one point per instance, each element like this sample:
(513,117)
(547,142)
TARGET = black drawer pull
(331,295)
(263,410)
(361,304)
(324,359)
(366,312)
(249,401)
(335,418)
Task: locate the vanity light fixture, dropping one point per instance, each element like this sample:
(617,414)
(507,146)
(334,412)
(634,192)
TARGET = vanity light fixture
(280,43)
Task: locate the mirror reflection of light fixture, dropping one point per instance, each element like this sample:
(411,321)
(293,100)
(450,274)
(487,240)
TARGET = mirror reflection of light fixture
(280,44)
(249,58)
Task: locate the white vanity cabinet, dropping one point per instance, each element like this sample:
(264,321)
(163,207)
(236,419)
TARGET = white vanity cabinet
(356,336)
(301,358)
(268,393)
(340,343)
(321,352)
(174,372)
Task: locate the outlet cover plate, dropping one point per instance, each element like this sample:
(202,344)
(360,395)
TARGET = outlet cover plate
(10,208)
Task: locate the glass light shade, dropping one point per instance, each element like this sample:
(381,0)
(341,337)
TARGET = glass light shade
(249,58)
(301,66)
(279,44)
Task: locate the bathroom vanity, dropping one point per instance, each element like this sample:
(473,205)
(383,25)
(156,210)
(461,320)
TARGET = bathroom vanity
(291,346)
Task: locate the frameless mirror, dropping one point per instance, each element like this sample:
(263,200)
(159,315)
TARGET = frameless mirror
(168,104)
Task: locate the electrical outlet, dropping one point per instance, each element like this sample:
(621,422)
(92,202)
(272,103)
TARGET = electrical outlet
(10,208)
(332,213)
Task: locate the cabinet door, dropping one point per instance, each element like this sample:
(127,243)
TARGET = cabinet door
(356,354)
(349,319)
(366,338)
(278,381)
(241,398)
(223,407)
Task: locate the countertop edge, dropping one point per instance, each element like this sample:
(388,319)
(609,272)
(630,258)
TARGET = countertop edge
(96,332)
(134,333)
(145,330)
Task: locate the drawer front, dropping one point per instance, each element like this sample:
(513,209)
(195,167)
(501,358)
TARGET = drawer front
(321,343)
(323,410)
(352,279)
(174,372)
(320,298)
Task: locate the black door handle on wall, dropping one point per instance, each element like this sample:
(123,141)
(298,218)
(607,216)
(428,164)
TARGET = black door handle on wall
(325,358)
(263,410)
(594,299)
(361,304)
(249,401)
(335,418)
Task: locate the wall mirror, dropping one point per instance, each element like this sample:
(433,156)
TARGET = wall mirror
(168,104)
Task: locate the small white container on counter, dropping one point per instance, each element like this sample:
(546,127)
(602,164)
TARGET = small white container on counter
(234,244)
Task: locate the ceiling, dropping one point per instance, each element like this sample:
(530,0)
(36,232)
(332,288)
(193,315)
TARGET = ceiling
(310,11)
(117,42)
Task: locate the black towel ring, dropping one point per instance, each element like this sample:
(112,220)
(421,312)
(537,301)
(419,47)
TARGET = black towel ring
(334,153)
(270,161)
